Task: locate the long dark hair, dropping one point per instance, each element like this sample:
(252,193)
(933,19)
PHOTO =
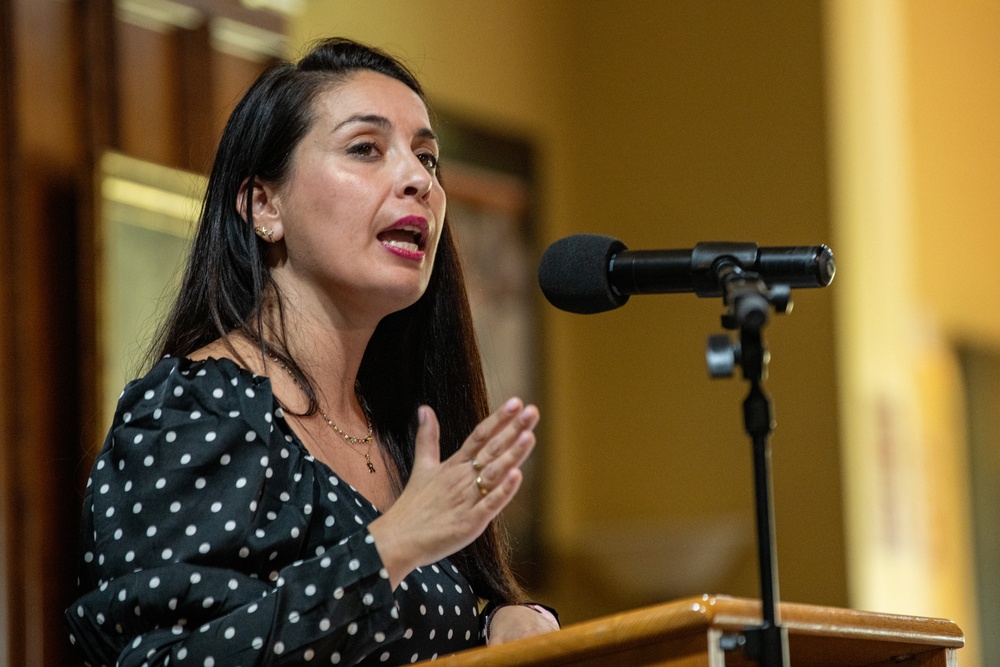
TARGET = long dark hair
(424,354)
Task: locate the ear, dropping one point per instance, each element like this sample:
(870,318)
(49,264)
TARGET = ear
(262,199)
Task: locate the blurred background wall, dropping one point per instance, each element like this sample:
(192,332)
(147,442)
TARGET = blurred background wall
(866,125)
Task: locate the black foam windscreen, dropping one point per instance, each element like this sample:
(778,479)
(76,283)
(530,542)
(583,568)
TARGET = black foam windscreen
(573,274)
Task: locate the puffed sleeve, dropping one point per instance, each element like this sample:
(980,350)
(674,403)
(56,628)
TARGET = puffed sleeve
(196,523)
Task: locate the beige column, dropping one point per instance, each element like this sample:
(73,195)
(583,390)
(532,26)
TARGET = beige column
(903,451)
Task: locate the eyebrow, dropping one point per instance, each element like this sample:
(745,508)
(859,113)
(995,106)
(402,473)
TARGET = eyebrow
(384,123)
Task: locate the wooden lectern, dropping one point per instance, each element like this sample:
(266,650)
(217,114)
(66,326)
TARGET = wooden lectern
(687,633)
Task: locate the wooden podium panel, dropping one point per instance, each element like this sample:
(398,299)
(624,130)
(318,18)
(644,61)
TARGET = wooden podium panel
(686,633)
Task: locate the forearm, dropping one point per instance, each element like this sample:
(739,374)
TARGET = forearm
(335,603)
(506,622)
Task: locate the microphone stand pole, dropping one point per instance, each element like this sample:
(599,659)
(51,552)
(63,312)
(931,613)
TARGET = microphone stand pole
(750,302)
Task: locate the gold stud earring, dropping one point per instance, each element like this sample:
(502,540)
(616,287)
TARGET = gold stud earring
(264,233)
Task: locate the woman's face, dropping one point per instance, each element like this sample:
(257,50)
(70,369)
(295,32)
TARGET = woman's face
(361,211)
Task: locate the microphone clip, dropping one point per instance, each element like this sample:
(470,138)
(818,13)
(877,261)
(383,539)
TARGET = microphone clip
(749,302)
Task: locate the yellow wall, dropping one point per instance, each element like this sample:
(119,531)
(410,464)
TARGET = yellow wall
(954,52)
(702,122)
(913,99)
(663,124)
(668,123)
(954,55)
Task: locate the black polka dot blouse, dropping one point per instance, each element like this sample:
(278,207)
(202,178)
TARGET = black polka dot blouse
(212,537)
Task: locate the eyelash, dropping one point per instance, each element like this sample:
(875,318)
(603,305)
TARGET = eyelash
(365,149)
(430,161)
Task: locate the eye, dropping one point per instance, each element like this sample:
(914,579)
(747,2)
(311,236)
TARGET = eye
(365,149)
(429,160)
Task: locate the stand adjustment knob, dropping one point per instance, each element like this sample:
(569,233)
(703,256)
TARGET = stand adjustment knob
(721,356)
(781,298)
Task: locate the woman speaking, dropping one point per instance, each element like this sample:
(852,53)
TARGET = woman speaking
(308,471)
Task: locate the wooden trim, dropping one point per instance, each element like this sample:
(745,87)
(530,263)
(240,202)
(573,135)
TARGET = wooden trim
(193,80)
(60,110)
(238,11)
(246,41)
(11,588)
(686,632)
(102,131)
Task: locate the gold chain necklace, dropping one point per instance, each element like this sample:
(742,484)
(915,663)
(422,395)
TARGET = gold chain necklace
(367,440)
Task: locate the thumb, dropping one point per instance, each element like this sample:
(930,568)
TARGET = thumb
(427,448)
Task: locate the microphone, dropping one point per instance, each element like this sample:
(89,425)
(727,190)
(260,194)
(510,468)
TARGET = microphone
(592,273)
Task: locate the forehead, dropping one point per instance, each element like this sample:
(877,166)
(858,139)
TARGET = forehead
(370,93)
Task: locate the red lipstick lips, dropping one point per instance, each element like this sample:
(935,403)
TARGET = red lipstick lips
(406,237)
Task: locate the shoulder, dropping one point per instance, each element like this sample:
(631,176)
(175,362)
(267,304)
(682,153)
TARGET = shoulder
(191,417)
(235,348)
(177,390)
(184,376)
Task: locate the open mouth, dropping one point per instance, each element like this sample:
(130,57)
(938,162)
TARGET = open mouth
(407,235)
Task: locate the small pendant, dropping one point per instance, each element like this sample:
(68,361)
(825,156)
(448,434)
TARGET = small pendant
(371,468)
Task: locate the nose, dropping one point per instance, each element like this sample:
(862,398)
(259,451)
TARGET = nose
(415,180)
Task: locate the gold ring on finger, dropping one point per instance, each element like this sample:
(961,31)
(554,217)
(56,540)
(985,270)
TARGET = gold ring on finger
(479,485)
(476,465)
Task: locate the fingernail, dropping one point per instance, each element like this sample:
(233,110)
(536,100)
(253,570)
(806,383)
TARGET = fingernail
(510,407)
(421,414)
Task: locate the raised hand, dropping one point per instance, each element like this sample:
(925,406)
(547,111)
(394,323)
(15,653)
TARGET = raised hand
(447,504)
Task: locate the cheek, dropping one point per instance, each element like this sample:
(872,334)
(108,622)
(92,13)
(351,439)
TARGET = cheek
(439,208)
(435,239)
(356,197)
(432,249)
(338,202)
(439,203)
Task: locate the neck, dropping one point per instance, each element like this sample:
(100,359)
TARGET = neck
(329,348)
(331,356)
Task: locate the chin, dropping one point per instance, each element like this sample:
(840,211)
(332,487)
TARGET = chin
(395,300)
(390,291)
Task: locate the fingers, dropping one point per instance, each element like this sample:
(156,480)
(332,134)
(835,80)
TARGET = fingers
(442,508)
(496,432)
(427,448)
(513,433)
(500,495)
(495,451)
(487,428)
(496,472)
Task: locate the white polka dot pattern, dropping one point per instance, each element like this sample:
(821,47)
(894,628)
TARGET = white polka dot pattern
(211,537)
